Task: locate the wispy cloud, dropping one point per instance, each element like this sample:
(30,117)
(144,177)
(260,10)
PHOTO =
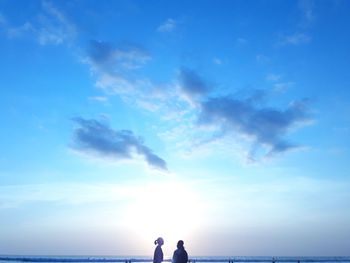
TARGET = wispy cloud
(105,57)
(217,61)
(98,139)
(118,72)
(116,68)
(168,26)
(102,99)
(308,13)
(63,193)
(3,21)
(241,41)
(302,34)
(114,84)
(112,65)
(278,84)
(261,58)
(140,92)
(283,86)
(296,39)
(273,77)
(56,28)
(51,26)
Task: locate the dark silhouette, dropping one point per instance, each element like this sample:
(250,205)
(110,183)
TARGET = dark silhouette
(158,252)
(180,254)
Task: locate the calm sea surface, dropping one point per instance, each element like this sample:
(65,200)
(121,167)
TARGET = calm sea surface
(131,259)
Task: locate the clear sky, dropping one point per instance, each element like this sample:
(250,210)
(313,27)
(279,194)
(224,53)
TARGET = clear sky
(222,123)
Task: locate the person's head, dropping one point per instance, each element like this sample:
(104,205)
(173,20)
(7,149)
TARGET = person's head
(180,244)
(159,241)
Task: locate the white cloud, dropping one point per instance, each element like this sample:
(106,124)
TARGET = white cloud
(99,98)
(116,69)
(241,41)
(283,86)
(279,86)
(104,57)
(148,105)
(51,26)
(217,61)
(273,77)
(138,92)
(262,58)
(296,39)
(168,26)
(114,84)
(307,18)
(56,28)
(307,8)
(112,66)
(15,32)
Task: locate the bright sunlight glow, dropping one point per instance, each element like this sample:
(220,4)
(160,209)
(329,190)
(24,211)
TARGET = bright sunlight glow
(169,209)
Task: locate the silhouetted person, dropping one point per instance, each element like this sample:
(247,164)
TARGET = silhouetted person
(158,252)
(180,254)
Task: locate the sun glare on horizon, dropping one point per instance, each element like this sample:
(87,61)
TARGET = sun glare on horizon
(167,209)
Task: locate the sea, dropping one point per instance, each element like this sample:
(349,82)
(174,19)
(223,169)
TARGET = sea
(110,259)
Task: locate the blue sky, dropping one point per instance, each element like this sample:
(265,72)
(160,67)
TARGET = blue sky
(222,123)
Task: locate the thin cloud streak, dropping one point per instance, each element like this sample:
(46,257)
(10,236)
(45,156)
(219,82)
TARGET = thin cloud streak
(64,193)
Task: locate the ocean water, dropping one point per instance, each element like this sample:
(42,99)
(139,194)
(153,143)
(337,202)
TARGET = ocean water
(98,259)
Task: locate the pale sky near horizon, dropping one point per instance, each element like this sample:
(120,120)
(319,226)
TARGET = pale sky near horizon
(222,123)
